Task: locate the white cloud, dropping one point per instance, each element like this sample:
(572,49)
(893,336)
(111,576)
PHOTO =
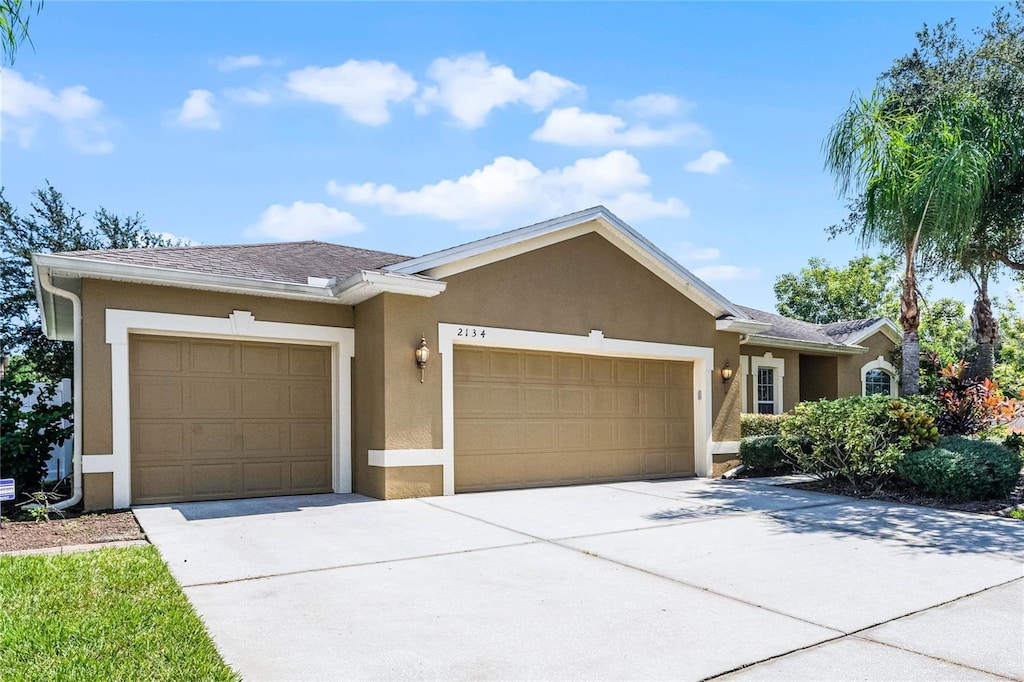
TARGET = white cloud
(687,252)
(231,63)
(470,87)
(23,105)
(363,90)
(248,96)
(510,191)
(200,111)
(304,220)
(575,128)
(174,239)
(723,273)
(653,105)
(710,162)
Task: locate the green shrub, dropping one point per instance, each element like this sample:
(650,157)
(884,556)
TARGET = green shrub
(961,469)
(753,425)
(761,455)
(859,439)
(1015,441)
(26,434)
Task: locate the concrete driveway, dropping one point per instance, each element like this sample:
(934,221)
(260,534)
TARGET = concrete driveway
(686,580)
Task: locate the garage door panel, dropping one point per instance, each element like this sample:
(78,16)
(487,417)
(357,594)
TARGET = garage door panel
(154,441)
(212,398)
(572,402)
(600,370)
(212,357)
(309,399)
(158,483)
(309,436)
(264,398)
(160,398)
(213,479)
(577,418)
(264,477)
(504,365)
(308,476)
(261,438)
(502,399)
(538,367)
(218,419)
(213,439)
(156,354)
(570,369)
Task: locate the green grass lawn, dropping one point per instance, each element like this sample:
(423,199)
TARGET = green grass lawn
(106,614)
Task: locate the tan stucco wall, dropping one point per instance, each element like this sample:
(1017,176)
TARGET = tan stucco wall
(97,491)
(850,366)
(99,295)
(790,382)
(572,287)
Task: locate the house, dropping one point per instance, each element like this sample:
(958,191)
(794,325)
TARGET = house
(569,351)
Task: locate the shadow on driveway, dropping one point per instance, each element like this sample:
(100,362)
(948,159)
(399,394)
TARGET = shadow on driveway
(225,509)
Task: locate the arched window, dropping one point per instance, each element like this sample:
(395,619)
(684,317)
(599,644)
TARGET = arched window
(877,382)
(879,377)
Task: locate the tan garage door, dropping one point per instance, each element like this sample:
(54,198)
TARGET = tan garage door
(526,419)
(213,420)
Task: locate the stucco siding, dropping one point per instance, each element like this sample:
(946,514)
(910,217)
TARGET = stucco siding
(100,295)
(878,344)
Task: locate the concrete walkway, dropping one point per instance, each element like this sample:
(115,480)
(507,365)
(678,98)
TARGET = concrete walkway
(685,580)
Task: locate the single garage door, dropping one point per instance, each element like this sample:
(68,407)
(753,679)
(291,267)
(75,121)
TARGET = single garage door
(213,420)
(528,419)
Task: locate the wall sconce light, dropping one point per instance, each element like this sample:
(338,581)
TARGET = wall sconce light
(726,372)
(422,355)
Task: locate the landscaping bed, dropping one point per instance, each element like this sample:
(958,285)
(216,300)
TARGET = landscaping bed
(76,528)
(894,492)
(108,614)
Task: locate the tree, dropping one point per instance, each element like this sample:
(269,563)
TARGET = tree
(14,18)
(944,65)
(1009,367)
(50,225)
(821,293)
(923,176)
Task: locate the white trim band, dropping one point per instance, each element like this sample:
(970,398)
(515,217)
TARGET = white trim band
(406,458)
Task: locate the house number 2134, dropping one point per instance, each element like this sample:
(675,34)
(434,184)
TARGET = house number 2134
(471,332)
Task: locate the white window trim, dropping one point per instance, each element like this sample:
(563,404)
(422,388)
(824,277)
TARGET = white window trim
(767,361)
(239,326)
(593,344)
(887,367)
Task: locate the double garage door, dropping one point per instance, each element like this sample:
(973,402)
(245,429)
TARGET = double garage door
(528,419)
(213,419)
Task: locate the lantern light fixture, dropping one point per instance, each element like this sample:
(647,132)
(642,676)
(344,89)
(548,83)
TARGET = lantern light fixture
(726,372)
(422,355)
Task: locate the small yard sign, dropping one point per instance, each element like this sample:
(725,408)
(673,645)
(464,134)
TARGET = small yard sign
(6,489)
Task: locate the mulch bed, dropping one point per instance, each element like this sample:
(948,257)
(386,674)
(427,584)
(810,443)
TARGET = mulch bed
(76,528)
(895,492)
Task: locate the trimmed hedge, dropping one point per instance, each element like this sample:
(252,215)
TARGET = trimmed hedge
(860,439)
(753,425)
(962,469)
(761,455)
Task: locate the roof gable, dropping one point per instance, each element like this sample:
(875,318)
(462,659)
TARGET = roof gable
(598,219)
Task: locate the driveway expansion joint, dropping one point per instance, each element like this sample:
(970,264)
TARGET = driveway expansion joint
(341,567)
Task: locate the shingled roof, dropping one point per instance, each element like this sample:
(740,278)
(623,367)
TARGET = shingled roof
(835,334)
(277,262)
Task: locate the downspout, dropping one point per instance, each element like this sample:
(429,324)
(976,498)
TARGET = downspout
(76,388)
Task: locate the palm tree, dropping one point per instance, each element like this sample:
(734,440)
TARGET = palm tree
(14,16)
(923,175)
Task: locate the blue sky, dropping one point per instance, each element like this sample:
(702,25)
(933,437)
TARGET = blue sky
(413,127)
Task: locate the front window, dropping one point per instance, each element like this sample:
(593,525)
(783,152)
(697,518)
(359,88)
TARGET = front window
(877,382)
(765,390)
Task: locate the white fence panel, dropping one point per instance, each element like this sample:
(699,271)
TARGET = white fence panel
(59,465)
